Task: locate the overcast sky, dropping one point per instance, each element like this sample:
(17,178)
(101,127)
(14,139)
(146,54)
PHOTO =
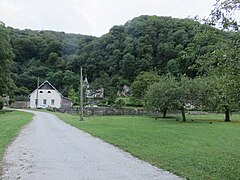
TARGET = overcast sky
(92,17)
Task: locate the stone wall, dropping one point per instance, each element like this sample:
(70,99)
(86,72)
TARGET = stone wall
(109,111)
(20,104)
(104,111)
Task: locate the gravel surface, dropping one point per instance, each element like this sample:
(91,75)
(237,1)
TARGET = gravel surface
(48,148)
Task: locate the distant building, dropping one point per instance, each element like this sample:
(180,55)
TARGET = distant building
(46,95)
(126,91)
(98,94)
(85,83)
(92,94)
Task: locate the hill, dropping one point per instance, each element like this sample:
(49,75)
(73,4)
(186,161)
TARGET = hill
(145,43)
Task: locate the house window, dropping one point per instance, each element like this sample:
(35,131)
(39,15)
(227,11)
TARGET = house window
(49,92)
(44,102)
(36,101)
(52,101)
(40,92)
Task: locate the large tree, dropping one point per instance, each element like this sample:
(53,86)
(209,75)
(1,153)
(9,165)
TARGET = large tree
(225,96)
(177,93)
(161,95)
(6,57)
(222,63)
(141,83)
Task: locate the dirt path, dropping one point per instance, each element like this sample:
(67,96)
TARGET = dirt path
(50,149)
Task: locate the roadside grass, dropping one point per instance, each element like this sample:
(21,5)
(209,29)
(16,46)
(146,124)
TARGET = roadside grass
(193,150)
(11,123)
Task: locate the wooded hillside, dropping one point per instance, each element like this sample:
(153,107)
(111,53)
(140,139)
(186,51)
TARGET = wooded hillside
(146,43)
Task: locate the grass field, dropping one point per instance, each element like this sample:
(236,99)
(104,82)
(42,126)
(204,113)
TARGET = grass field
(10,125)
(194,150)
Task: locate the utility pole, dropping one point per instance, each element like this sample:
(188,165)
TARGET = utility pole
(81,95)
(36,102)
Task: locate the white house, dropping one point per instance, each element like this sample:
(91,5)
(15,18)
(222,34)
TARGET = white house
(46,95)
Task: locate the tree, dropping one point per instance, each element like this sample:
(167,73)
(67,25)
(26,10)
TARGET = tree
(104,82)
(202,90)
(225,94)
(222,64)
(56,79)
(183,94)
(128,66)
(52,59)
(73,95)
(173,67)
(161,95)
(223,14)
(141,83)
(178,92)
(7,85)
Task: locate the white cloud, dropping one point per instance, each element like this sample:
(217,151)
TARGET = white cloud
(93,17)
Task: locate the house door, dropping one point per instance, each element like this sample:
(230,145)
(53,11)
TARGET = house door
(44,102)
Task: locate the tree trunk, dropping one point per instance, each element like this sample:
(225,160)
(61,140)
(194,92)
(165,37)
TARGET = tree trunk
(164,113)
(227,114)
(183,114)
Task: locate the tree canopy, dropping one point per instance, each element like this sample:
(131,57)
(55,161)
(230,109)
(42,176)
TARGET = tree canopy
(6,57)
(146,43)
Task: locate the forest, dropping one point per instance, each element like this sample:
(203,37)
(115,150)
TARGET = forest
(146,43)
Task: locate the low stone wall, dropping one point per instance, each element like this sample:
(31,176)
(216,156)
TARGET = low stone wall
(113,111)
(104,111)
(109,111)
(68,110)
(20,104)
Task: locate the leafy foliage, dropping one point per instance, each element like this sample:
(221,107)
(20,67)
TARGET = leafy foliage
(225,94)
(141,83)
(221,61)
(223,14)
(160,95)
(120,103)
(6,56)
(171,93)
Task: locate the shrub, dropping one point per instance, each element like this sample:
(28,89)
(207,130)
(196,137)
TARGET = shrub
(120,103)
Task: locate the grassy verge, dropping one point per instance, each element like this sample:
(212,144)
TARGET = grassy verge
(11,123)
(194,150)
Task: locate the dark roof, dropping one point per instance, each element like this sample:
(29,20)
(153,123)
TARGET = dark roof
(46,85)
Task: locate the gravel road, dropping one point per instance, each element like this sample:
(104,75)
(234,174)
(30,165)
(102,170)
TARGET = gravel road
(48,148)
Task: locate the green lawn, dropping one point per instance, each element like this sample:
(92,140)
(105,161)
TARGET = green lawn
(11,123)
(194,150)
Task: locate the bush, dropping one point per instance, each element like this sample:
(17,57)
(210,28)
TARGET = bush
(135,102)
(111,99)
(3,111)
(51,109)
(120,103)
